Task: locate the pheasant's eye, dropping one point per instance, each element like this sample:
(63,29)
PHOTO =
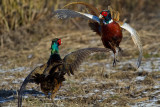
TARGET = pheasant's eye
(104,14)
(59,41)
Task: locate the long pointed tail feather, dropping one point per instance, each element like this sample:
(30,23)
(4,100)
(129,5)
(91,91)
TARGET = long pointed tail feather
(92,9)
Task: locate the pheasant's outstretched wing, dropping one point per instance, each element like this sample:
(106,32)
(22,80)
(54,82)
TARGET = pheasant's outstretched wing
(73,60)
(29,78)
(65,14)
(95,26)
(136,40)
(94,11)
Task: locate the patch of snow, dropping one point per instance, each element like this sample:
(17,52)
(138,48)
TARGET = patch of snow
(4,83)
(3,100)
(18,69)
(30,56)
(140,78)
(93,64)
(88,80)
(15,82)
(96,90)
(2,71)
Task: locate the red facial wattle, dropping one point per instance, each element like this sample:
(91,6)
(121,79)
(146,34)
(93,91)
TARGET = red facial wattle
(104,14)
(59,41)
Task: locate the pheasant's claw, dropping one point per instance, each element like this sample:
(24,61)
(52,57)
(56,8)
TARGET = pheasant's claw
(115,61)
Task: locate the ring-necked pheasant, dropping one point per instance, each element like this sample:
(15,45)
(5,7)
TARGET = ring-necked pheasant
(51,74)
(106,24)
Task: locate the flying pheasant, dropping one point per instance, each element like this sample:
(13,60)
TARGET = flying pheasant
(106,24)
(51,74)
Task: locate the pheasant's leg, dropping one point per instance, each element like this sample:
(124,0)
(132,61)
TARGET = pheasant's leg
(115,60)
(55,90)
(114,51)
(120,51)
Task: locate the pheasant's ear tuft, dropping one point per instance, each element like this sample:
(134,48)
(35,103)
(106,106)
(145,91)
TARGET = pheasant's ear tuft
(59,41)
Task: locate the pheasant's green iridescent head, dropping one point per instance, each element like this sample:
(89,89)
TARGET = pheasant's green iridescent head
(54,46)
(106,16)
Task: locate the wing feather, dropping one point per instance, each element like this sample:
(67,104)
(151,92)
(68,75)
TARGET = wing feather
(95,26)
(73,60)
(136,40)
(94,11)
(37,70)
(65,14)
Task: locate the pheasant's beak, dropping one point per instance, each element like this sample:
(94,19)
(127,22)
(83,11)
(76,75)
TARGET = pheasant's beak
(101,16)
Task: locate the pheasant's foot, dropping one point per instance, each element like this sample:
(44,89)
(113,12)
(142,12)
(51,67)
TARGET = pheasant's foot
(115,61)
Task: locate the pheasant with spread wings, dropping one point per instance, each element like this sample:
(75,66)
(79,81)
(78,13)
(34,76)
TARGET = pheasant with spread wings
(51,74)
(106,24)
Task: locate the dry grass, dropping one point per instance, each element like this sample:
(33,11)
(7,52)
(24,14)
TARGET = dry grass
(94,84)
(17,13)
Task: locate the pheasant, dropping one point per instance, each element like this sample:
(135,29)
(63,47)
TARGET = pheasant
(51,74)
(106,24)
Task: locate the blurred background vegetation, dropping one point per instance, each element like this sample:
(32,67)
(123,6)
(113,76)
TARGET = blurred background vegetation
(23,14)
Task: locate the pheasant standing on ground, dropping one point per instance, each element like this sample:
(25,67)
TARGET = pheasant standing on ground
(106,24)
(51,74)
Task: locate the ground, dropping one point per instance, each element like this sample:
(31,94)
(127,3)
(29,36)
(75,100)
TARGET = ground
(96,83)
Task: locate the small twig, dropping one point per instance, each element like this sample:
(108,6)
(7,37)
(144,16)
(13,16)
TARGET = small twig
(2,45)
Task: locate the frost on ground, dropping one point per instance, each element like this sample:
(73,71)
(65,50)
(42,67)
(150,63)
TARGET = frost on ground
(92,86)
